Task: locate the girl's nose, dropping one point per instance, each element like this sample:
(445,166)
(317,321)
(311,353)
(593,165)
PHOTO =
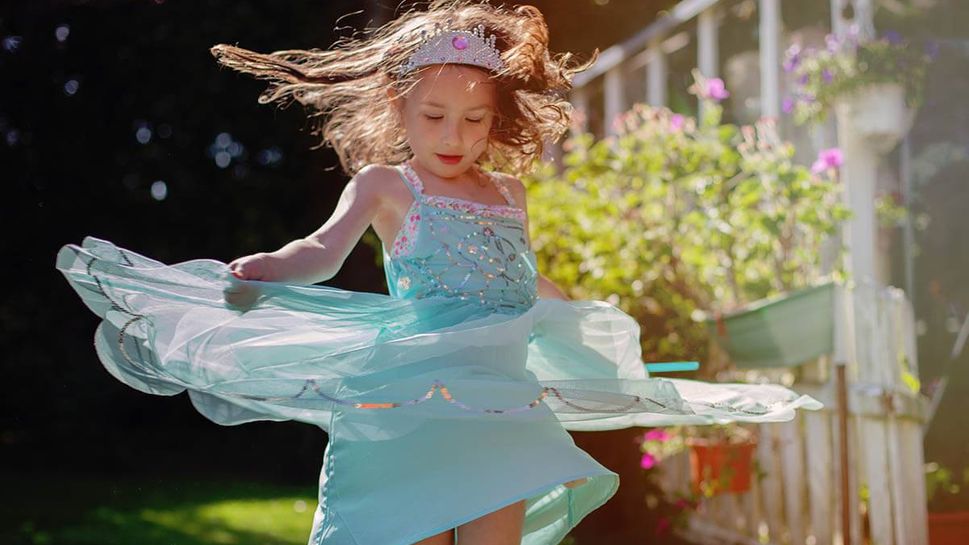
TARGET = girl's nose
(452,132)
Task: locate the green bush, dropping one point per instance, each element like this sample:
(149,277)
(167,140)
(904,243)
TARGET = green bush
(675,214)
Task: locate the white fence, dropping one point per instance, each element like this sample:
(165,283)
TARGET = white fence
(799,500)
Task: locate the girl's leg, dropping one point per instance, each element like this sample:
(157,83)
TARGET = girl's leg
(501,527)
(444,538)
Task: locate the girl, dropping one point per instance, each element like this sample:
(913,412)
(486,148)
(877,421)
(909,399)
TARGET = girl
(447,401)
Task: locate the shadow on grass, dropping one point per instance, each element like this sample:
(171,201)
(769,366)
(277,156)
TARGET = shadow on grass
(41,509)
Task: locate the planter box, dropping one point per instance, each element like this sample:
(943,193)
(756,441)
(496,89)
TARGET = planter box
(721,467)
(778,332)
(948,528)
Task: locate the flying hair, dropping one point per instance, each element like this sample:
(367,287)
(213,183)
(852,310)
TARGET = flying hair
(344,88)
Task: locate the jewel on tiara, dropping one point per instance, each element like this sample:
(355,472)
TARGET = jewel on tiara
(455,46)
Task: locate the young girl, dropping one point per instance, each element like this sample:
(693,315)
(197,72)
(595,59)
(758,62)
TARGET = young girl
(447,401)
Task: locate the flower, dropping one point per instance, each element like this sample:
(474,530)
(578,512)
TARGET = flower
(716,90)
(657,434)
(828,159)
(677,121)
(787,105)
(832,42)
(648,461)
(893,37)
(792,58)
(847,64)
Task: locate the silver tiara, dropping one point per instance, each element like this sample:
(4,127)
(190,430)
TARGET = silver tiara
(455,46)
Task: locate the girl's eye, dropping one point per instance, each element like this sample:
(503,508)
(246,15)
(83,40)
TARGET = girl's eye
(440,117)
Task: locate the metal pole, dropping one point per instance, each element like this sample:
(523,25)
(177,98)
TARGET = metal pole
(842,386)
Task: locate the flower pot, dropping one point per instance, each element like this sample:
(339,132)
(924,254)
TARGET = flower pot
(948,528)
(717,468)
(879,113)
(782,331)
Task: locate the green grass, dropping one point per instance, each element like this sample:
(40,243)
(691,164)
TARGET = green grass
(44,509)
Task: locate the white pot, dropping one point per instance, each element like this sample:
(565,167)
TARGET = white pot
(878,113)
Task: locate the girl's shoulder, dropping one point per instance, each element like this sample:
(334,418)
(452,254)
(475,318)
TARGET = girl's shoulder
(383,181)
(511,183)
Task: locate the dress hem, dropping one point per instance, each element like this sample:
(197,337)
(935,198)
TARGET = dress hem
(505,503)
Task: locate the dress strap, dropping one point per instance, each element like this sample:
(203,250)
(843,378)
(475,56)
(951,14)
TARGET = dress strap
(412,182)
(502,188)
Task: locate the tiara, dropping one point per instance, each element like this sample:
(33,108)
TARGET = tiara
(455,46)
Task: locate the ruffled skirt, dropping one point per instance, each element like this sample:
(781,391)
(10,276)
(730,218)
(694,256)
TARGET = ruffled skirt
(438,411)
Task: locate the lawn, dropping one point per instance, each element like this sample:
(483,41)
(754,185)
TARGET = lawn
(80,510)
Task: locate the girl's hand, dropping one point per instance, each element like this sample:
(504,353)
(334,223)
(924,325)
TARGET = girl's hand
(241,293)
(251,267)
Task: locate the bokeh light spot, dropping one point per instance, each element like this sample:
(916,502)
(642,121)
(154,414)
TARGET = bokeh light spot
(71,86)
(12,43)
(62,32)
(159,190)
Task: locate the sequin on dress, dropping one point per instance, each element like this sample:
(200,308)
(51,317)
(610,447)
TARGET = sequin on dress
(445,400)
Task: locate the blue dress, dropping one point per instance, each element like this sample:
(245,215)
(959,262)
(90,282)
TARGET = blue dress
(445,400)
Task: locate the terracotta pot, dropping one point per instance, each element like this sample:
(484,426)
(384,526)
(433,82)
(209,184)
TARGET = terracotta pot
(948,528)
(721,467)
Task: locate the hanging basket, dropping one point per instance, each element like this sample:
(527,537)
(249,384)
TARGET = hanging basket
(782,331)
(879,113)
(718,468)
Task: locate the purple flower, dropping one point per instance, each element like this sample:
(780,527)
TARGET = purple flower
(656,434)
(787,105)
(716,90)
(677,121)
(803,79)
(648,461)
(827,76)
(793,58)
(932,49)
(893,37)
(828,159)
(833,43)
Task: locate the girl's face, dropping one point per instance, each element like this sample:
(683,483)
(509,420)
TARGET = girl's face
(447,117)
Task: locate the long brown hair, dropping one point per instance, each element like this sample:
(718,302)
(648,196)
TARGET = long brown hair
(344,87)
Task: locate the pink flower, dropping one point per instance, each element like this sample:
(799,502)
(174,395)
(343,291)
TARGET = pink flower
(677,121)
(663,525)
(657,434)
(648,461)
(828,159)
(716,90)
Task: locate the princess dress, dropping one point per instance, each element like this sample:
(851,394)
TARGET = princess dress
(445,400)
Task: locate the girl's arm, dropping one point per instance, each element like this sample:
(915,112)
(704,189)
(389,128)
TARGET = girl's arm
(319,256)
(546,288)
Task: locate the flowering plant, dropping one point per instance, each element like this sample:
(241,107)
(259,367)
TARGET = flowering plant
(657,444)
(846,65)
(946,491)
(660,443)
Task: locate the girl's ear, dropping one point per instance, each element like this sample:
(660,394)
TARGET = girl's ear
(395,97)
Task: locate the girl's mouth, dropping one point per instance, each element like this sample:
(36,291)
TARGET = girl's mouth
(449,159)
